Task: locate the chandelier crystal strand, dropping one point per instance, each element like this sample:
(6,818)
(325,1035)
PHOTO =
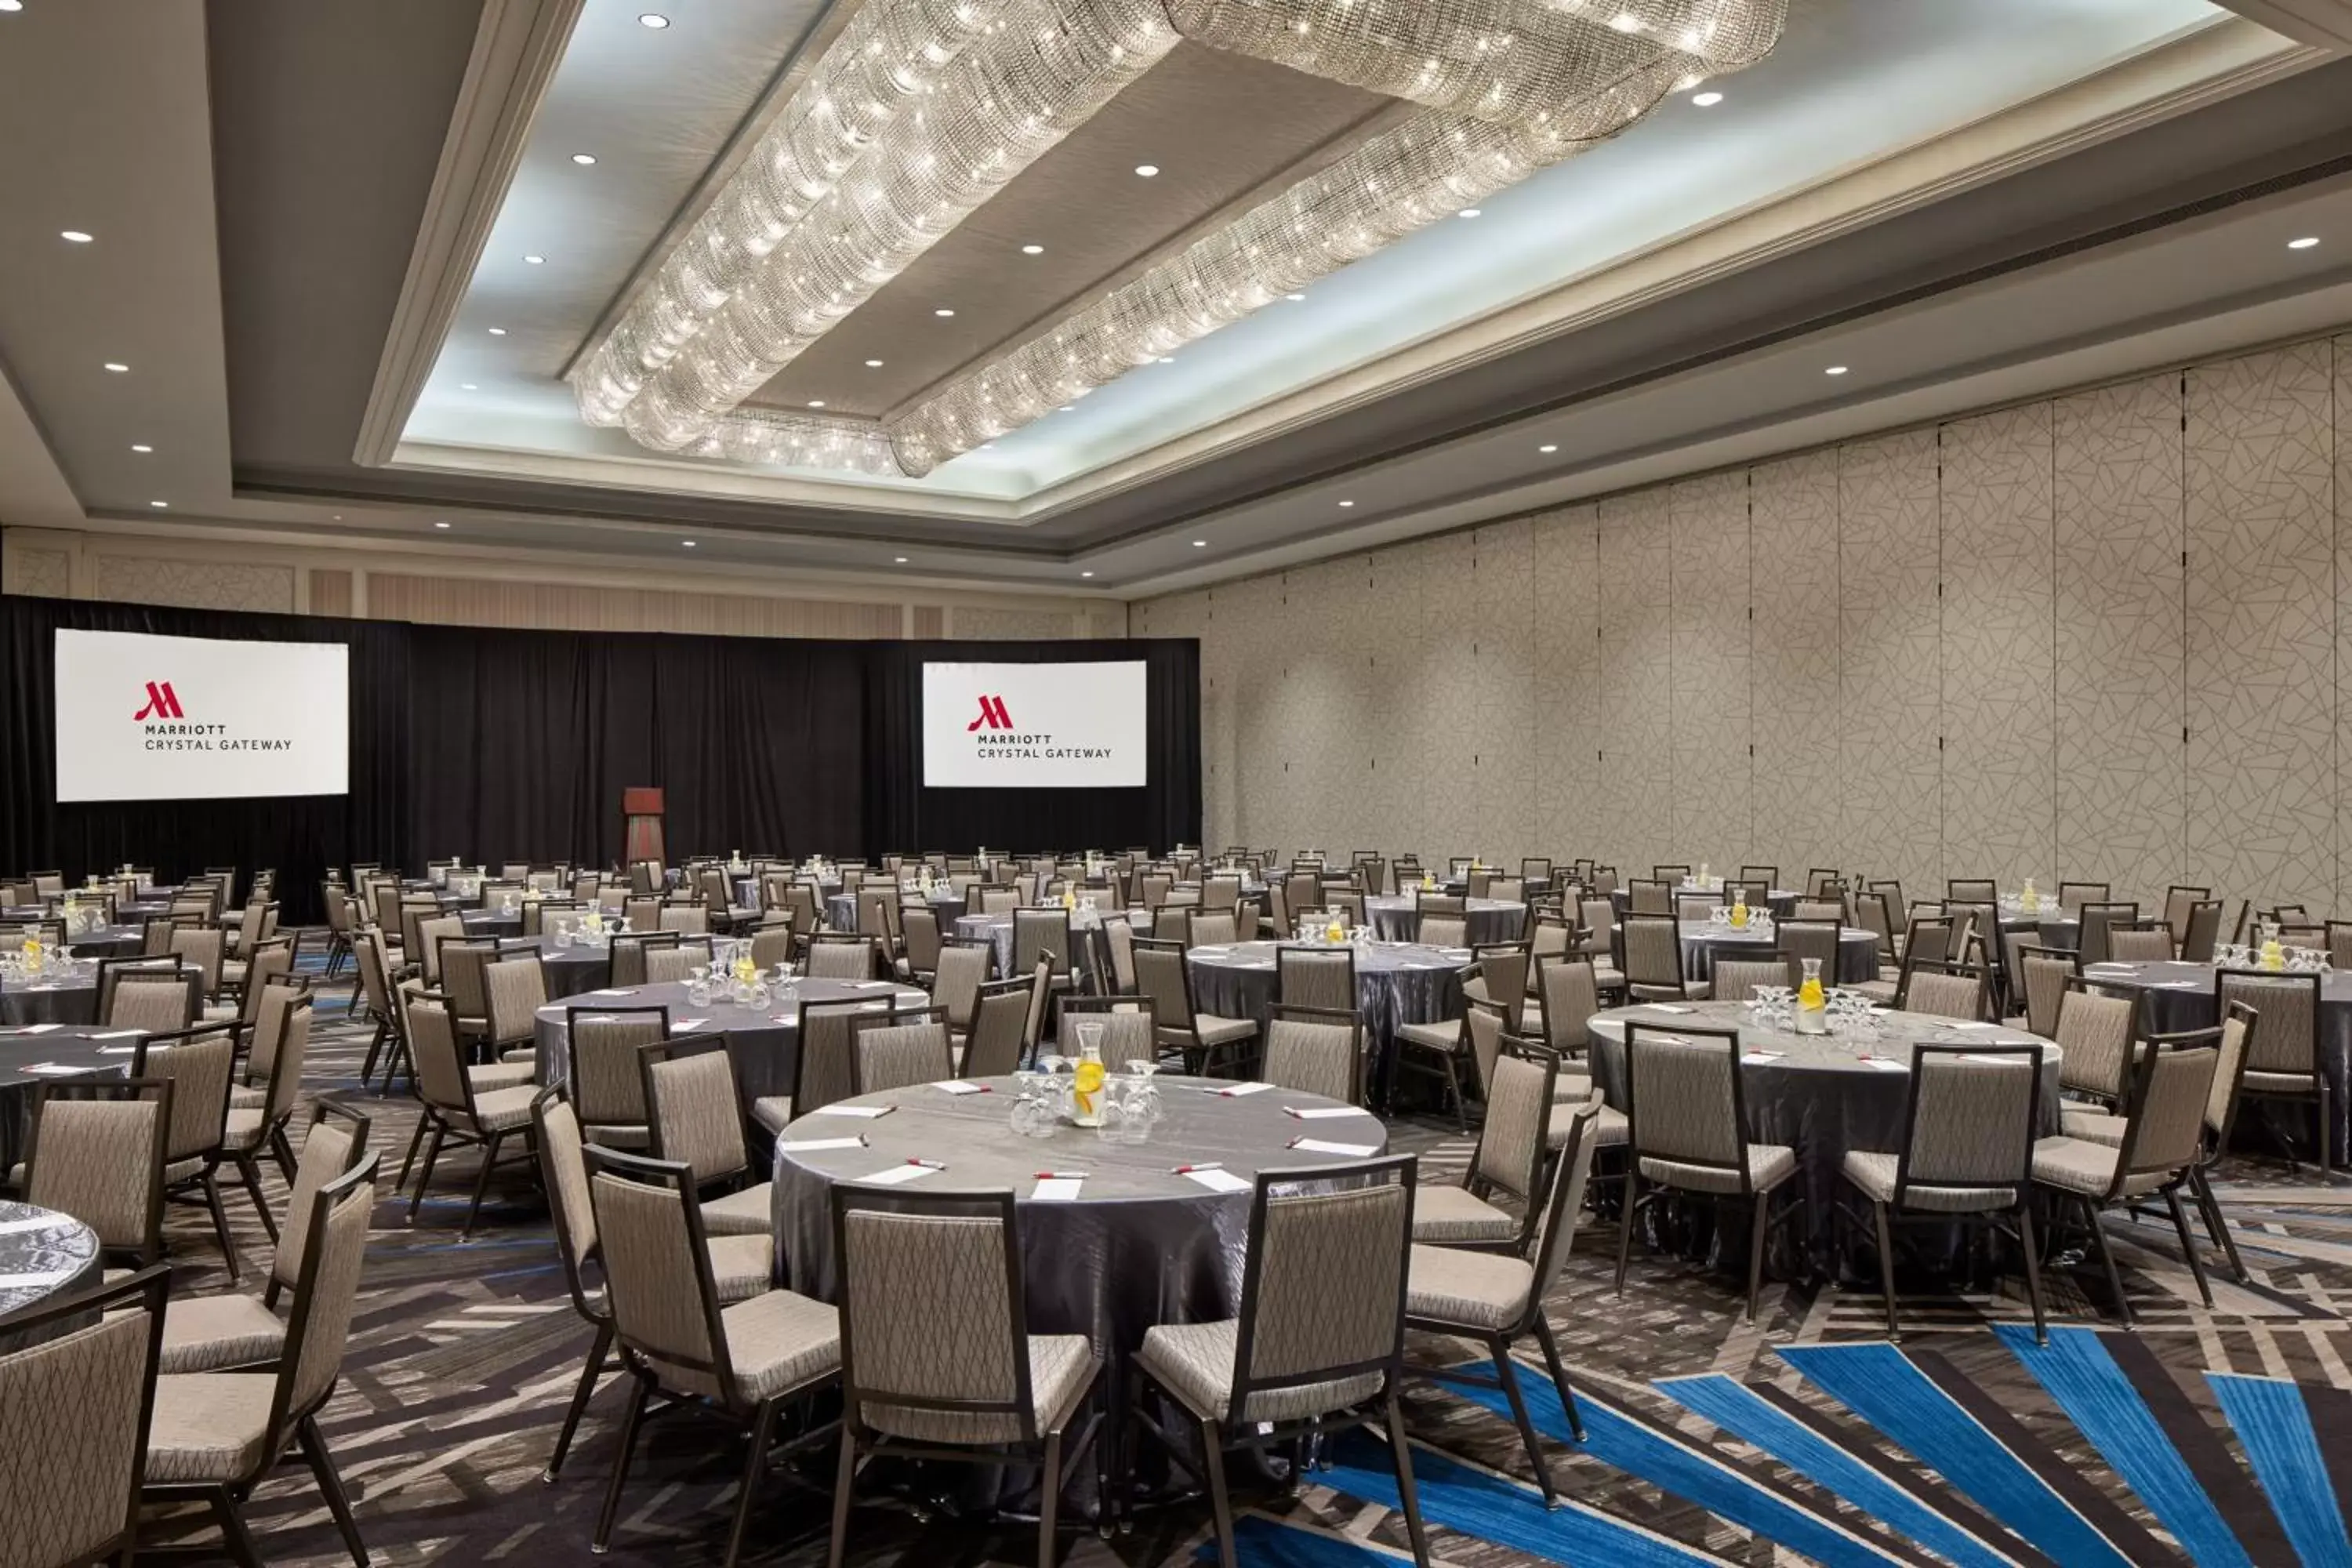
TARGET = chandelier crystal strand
(1423,171)
(886,58)
(1034,77)
(801,441)
(1727,34)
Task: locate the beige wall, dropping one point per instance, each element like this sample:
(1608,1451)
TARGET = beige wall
(530,592)
(1973,649)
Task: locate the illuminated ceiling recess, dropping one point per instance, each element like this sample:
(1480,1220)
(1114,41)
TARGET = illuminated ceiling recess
(922,109)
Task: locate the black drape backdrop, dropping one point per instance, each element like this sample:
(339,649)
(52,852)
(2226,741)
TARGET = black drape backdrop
(497,744)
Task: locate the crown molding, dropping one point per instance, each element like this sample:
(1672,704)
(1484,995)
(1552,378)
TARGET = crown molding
(2324,23)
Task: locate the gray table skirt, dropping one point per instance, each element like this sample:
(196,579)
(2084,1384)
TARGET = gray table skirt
(1783,901)
(764,1042)
(841,911)
(109,942)
(72,1046)
(50,1001)
(1704,941)
(1395,984)
(1819,1098)
(1396,918)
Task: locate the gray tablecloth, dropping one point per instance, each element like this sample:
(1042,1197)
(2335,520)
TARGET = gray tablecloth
(1398,919)
(1396,982)
(1819,1098)
(1141,1246)
(491,923)
(841,910)
(2182,996)
(1783,901)
(571,970)
(65,1001)
(1704,941)
(109,942)
(764,1042)
(46,1252)
(69,1047)
(998,930)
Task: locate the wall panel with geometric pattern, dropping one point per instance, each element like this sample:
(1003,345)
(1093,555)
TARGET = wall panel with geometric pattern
(1889,662)
(1565,648)
(1708,519)
(1636,682)
(1505,703)
(1794,663)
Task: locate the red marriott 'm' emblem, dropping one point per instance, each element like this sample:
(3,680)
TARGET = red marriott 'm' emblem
(160,703)
(991,713)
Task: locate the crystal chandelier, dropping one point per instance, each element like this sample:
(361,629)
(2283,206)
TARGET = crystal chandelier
(924,109)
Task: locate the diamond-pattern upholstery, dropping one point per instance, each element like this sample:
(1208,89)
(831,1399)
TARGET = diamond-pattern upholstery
(1484,1290)
(1194,1362)
(209,1427)
(62,1495)
(1450,1214)
(207,1334)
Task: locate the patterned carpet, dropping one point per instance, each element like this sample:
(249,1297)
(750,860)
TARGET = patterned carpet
(2198,1437)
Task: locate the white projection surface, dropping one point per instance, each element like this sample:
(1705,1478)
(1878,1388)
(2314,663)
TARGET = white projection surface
(1035,726)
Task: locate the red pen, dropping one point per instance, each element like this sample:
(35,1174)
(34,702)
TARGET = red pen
(1203,1165)
(928,1165)
(1059,1176)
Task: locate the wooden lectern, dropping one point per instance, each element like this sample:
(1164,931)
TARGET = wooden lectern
(641,812)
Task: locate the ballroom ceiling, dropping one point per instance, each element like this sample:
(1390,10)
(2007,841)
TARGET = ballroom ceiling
(308,219)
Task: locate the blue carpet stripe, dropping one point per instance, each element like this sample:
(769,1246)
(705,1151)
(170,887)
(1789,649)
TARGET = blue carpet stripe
(1879,1383)
(2274,1427)
(1698,1477)
(2076,1370)
(1736,1409)
(1487,1507)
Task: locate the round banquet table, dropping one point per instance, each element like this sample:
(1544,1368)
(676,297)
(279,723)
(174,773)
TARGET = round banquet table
(491,923)
(1783,901)
(569,970)
(52,999)
(1396,982)
(1398,919)
(763,1041)
(1139,1246)
(841,910)
(2178,997)
(1704,941)
(109,942)
(1819,1097)
(82,1050)
(747,890)
(43,1253)
(998,930)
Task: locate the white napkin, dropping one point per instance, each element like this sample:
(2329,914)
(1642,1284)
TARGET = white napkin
(1323,1112)
(35,1029)
(898,1176)
(1057,1189)
(874,985)
(55,1070)
(959,1086)
(1218,1181)
(620,993)
(686,1026)
(1239,1089)
(1761,1055)
(26,1281)
(1348,1150)
(1885,1064)
(118,1050)
(119,1035)
(863,1113)
(1665,1007)
(818,1146)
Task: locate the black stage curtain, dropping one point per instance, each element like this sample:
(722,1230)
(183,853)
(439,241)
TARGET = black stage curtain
(496,744)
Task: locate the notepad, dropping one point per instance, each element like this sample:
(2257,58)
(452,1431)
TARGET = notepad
(1978,1025)
(959,1086)
(1346,1151)
(120,1050)
(621,993)
(873,985)
(899,1176)
(1323,1112)
(1884,1064)
(818,1146)
(1057,1189)
(862,1112)
(119,1035)
(28,1281)
(1761,1055)
(1218,1181)
(1239,1089)
(35,1029)
(56,1069)
(1663,1007)
(684,1025)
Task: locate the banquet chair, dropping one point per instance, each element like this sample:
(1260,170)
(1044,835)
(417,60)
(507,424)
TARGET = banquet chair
(1549,936)
(2339,944)
(98,1154)
(461,963)
(2146,941)
(1509,890)
(1832,909)
(455,1105)
(773,941)
(1598,918)
(676,965)
(2283,1054)
(516,988)
(86,1360)
(217,1436)
(1971,891)
(824,1066)
(1696,906)
(1206,1040)
(1438,1049)
(231,1329)
(1653,960)
(1497,1296)
(900,1050)
(2044,975)
(155,933)
(607,1087)
(1501,979)
(537,912)
(2164,1113)
(1118,950)
(646,875)
(2099,922)
(432,935)
(199,1061)
(1645,897)
(1875,915)
(1508,1159)
(1128,1034)
(718,891)
(1170,921)
(254,938)
(1535,869)
(921,934)
(1306,975)
(1319,1343)
(1822,938)
(1767,874)
(2072,896)
(1042,992)
(692,920)
(1945,991)
(154,995)
(937,1360)
(965,965)
(1206,926)
(257,1117)
(1966,1153)
(1315,1050)
(2179,899)
(272,963)
(1687,1114)
(999,1035)
(741,1267)
(837,955)
(2095,1036)
(1672,876)
(644,912)
(1444,931)
(629,952)
(1042,933)
(1738,979)
(694,1117)
(1568,992)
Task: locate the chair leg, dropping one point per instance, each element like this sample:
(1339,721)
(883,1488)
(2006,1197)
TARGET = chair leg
(579,1398)
(1221,1505)
(481,1184)
(282,1151)
(375,1049)
(1560,1376)
(330,1485)
(2326,1133)
(629,1420)
(843,1479)
(1050,1500)
(1886,1266)
(249,1173)
(415,1141)
(2107,1260)
(2025,1239)
(220,1223)
(234,1534)
(425,1177)
(763,1431)
(1508,1375)
(1625,1220)
(1763,1206)
(2187,1245)
(1407,1493)
(1454,1092)
(2218,1224)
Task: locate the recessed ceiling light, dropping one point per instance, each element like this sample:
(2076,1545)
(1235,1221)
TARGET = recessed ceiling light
(1167,359)
(1707,99)
(653,19)
(899,559)
(140,446)
(685,543)
(535,260)
(988,445)
(1835,369)
(1467,212)
(75,236)
(874,365)
(441,524)
(12,5)
(118,369)
(1086,573)
(583,159)
(339,517)
(1066,408)
(1033,250)
(1546,448)
(1626,22)
(498,331)
(159,505)
(2305,243)
(1346,503)
(1294,299)
(816,403)
(467,386)
(1200,544)
(943,311)
(1146,170)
